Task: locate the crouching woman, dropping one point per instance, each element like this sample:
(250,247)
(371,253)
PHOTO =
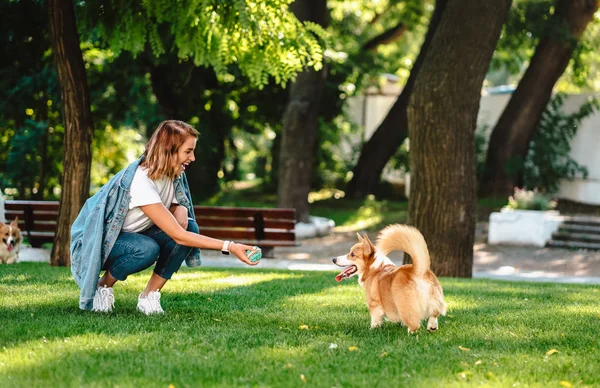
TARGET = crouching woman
(143,215)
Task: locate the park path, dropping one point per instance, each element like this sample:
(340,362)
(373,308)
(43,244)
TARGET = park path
(489,261)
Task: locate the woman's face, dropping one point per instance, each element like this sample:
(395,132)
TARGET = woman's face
(185,155)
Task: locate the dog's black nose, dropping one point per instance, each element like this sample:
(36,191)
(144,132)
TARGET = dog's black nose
(334,260)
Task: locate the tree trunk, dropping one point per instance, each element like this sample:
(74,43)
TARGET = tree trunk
(516,126)
(78,123)
(300,123)
(393,130)
(442,116)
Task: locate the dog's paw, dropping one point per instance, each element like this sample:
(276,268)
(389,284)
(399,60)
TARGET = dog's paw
(432,324)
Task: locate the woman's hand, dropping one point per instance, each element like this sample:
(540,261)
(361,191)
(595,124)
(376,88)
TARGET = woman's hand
(181,215)
(240,251)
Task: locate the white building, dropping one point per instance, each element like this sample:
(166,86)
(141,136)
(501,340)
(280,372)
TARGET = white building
(370,110)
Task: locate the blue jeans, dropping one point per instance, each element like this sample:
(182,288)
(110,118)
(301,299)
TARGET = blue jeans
(134,252)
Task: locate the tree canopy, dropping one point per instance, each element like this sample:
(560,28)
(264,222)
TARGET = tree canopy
(263,38)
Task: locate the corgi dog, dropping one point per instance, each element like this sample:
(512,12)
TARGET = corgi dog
(407,294)
(10,243)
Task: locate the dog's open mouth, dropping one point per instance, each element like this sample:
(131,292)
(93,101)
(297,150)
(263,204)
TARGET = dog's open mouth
(347,272)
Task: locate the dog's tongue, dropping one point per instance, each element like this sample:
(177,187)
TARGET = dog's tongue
(345,273)
(10,247)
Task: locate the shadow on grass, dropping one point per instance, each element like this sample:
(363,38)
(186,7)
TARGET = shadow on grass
(220,332)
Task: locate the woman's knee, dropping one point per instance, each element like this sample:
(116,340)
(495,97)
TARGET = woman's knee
(134,256)
(192,226)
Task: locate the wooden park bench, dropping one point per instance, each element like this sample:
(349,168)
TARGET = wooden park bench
(264,227)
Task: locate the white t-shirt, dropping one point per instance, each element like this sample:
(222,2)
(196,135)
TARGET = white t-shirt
(145,191)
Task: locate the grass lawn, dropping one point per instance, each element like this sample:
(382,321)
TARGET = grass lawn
(253,327)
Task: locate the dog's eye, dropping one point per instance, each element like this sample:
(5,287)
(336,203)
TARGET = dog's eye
(352,254)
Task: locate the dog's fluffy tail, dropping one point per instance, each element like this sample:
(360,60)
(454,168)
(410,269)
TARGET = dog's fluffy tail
(408,239)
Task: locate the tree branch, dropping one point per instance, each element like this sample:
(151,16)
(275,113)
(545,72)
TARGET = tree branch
(385,37)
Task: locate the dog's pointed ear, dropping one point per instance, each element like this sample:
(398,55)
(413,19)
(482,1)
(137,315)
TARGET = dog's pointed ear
(368,248)
(15,222)
(359,237)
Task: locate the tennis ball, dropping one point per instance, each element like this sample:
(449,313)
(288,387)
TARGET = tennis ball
(254,254)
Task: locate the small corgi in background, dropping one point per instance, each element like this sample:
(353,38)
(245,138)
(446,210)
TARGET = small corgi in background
(10,241)
(407,294)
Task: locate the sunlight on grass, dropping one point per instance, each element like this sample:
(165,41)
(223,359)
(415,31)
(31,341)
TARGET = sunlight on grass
(236,280)
(324,194)
(33,353)
(337,296)
(256,327)
(367,216)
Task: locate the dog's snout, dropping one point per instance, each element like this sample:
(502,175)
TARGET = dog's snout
(334,260)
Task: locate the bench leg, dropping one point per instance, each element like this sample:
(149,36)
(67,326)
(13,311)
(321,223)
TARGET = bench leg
(268,252)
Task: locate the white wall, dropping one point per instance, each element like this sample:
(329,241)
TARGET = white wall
(585,147)
(369,111)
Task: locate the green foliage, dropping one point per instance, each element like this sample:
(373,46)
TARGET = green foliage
(263,38)
(282,325)
(584,72)
(528,22)
(548,160)
(335,154)
(400,159)
(112,150)
(523,199)
(31,129)
(24,160)
(29,103)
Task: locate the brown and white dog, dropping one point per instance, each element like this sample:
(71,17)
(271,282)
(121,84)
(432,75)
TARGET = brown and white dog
(407,294)
(10,244)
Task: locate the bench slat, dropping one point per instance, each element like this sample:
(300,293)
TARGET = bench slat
(38,205)
(39,226)
(38,216)
(233,234)
(244,223)
(269,243)
(206,211)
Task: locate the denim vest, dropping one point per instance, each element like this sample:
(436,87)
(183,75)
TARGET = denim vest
(96,228)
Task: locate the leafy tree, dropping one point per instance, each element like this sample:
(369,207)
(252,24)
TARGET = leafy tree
(548,160)
(300,123)
(79,126)
(30,125)
(393,130)
(516,126)
(442,116)
(263,38)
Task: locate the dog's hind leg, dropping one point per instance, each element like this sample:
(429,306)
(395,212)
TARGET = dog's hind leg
(432,323)
(377,315)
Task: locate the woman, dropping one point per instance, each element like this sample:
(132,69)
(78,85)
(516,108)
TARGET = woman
(144,214)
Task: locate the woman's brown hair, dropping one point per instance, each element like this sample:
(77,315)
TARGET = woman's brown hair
(161,149)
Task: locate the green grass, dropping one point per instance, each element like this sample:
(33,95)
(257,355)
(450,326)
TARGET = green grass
(253,327)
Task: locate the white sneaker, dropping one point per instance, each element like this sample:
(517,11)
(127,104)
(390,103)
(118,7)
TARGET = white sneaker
(104,300)
(150,304)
